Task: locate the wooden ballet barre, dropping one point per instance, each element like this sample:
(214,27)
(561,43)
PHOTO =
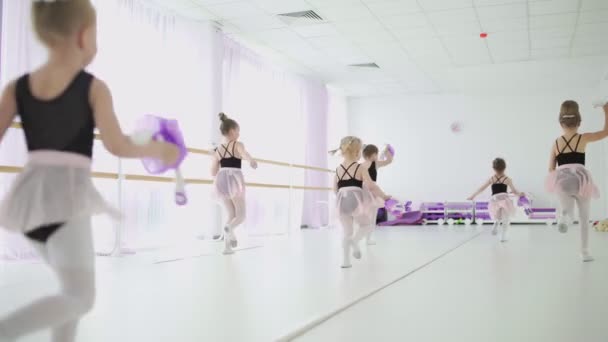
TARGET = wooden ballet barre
(158,179)
(10,169)
(17,125)
(315,188)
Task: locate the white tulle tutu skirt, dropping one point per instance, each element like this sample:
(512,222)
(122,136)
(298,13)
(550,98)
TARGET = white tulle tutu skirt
(572,179)
(500,202)
(54,187)
(229,184)
(355,202)
(376,201)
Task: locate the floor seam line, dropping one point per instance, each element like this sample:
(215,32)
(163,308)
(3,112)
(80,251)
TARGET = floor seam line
(314,323)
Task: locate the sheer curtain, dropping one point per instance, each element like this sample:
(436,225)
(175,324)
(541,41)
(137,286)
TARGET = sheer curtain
(283,116)
(19,52)
(159,63)
(315,209)
(337,128)
(155,63)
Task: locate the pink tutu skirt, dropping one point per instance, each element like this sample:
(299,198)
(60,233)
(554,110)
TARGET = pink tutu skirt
(229,183)
(355,202)
(572,179)
(54,187)
(376,202)
(498,202)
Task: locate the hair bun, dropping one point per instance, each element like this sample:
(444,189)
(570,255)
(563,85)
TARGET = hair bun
(223,117)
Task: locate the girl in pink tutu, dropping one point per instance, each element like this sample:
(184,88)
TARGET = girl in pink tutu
(372,164)
(353,200)
(51,202)
(571,181)
(501,205)
(229,182)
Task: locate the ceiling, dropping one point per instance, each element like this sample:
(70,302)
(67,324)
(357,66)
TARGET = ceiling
(425,46)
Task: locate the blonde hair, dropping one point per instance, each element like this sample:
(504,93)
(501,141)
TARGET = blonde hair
(569,114)
(227,124)
(349,147)
(54,20)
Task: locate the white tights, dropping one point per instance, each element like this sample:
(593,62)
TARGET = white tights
(351,238)
(69,252)
(236,210)
(505,221)
(567,213)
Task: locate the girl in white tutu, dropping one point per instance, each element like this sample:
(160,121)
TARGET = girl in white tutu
(501,206)
(51,202)
(372,164)
(571,181)
(229,183)
(353,200)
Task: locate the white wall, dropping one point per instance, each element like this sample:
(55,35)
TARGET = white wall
(434,164)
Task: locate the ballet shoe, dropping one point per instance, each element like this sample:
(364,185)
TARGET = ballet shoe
(346,249)
(229,234)
(586,256)
(228,247)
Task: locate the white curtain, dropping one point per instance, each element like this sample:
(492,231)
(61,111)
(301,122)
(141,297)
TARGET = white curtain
(279,113)
(159,63)
(19,52)
(315,209)
(337,128)
(155,63)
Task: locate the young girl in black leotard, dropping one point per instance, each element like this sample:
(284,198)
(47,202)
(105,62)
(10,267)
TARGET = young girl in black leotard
(500,206)
(571,181)
(352,202)
(229,182)
(51,202)
(372,164)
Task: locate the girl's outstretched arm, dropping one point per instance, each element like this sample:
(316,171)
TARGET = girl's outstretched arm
(114,140)
(512,187)
(215,166)
(367,181)
(480,190)
(599,135)
(387,161)
(245,155)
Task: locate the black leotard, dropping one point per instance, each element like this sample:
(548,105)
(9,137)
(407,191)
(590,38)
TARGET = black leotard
(499,185)
(572,157)
(373,172)
(229,159)
(351,181)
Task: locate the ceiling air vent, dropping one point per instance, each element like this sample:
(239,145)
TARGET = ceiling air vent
(303,17)
(366,65)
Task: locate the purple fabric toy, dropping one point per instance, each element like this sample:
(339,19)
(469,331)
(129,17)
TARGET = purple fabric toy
(155,128)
